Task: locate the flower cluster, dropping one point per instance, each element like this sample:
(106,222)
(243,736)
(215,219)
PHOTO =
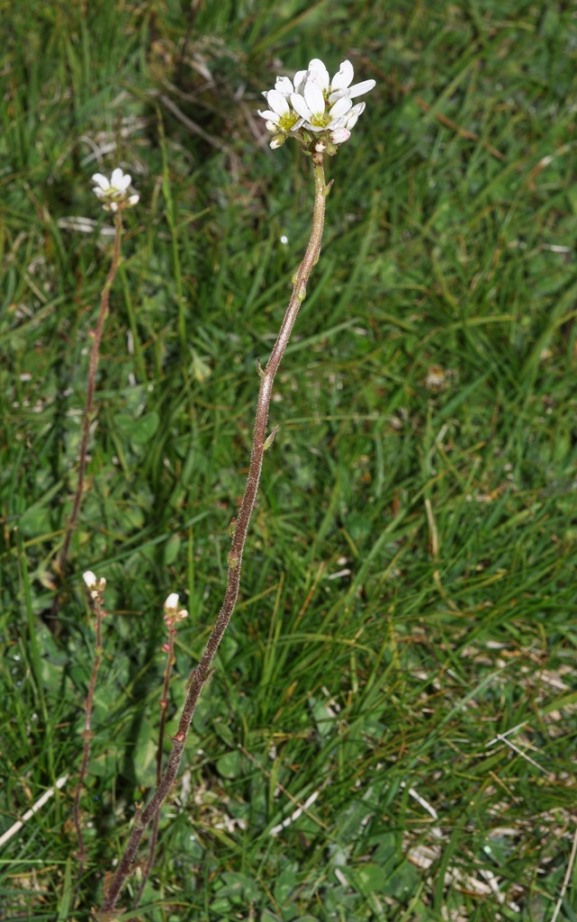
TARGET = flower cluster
(314,109)
(113,192)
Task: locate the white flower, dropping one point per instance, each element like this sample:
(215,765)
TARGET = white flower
(113,192)
(90,579)
(339,86)
(312,107)
(342,132)
(172,601)
(280,118)
(312,102)
(172,610)
(325,104)
(94,585)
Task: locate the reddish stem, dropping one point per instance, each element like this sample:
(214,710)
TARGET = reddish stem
(203,671)
(87,415)
(96,606)
(161,730)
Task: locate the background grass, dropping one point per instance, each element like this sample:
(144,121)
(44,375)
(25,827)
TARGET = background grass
(409,590)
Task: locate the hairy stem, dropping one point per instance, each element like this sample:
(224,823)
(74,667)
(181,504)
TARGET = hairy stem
(88,413)
(203,671)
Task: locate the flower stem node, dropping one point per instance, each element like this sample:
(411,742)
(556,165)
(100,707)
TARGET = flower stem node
(315,110)
(114,193)
(94,585)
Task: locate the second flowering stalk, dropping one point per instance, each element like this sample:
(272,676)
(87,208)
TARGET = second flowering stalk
(115,195)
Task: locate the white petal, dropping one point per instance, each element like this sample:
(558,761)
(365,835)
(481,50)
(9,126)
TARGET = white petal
(359,89)
(344,77)
(319,73)
(171,603)
(300,106)
(89,577)
(299,80)
(352,116)
(284,85)
(314,98)
(133,200)
(277,142)
(120,180)
(358,108)
(341,106)
(277,102)
(101,181)
(270,116)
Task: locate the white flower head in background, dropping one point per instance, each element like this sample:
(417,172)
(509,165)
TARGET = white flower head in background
(114,193)
(314,109)
(172,610)
(94,585)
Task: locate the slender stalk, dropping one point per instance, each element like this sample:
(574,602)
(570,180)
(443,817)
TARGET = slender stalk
(169,649)
(88,412)
(98,610)
(201,674)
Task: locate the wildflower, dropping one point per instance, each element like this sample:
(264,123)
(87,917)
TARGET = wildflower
(342,132)
(113,192)
(94,585)
(172,610)
(90,579)
(280,118)
(339,86)
(314,109)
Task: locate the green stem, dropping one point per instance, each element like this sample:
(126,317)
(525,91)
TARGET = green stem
(203,671)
